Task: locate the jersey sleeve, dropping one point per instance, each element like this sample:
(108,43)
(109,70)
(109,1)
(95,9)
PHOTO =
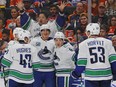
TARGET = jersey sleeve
(112,60)
(82,56)
(25,21)
(112,54)
(7,58)
(35,60)
(60,21)
(81,61)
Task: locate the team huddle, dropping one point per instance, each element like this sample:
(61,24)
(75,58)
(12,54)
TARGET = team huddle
(53,62)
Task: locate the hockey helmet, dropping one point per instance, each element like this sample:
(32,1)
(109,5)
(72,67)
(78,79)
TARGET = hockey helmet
(59,35)
(17,30)
(93,29)
(23,34)
(44,27)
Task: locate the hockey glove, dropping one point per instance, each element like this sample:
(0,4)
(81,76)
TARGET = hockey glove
(74,75)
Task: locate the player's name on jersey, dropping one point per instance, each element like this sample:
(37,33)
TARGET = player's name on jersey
(22,50)
(91,43)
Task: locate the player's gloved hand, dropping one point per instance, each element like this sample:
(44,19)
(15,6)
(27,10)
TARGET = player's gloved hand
(74,75)
(113,84)
(45,51)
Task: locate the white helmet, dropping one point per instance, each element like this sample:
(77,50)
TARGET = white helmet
(17,30)
(28,34)
(93,28)
(59,35)
(23,34)
(44,26)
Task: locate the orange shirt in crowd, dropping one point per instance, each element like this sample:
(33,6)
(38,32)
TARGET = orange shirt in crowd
(95,10)
(112,30)
(11,35)
(10,22)
(14,2)
(102,1)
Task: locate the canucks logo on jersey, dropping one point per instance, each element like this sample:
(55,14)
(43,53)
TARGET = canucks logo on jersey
(56,59)
(44,54)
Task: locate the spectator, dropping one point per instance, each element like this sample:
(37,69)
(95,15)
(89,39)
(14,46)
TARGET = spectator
(83,20)
(1,27)
(14,2)
(18,24)
(46,3)
(30,7)
(74,18)
(112,25)
(110,7)
(101,18)
(102,1)
(74,2)
(94,7)
(6,35)
(11,23)
(104,31)
(27,6)
(79,36)
(2,13)
(53,12)
(114,41)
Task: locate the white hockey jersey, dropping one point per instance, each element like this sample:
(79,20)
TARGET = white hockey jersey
(45,60)
(34,28)
(96,54)
(53,28)
(12,42)
(22,59)
(63,60)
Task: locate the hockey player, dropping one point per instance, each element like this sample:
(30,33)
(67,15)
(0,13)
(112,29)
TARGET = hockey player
(63,61)
(97,58)
(3,71)
(21,58)
(15,35)
(44,44)
(34,27)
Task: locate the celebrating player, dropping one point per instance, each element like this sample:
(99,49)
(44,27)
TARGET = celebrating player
(45,73)
(21,59)
(97,58)
(62,61)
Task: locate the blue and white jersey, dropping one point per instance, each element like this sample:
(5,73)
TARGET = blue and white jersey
(45,58)
(63,60)
(21,60)
(96,55)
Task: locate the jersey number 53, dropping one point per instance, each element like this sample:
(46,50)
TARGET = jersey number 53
(97,54)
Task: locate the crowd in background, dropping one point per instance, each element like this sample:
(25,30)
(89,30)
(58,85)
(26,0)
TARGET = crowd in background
(74,12)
